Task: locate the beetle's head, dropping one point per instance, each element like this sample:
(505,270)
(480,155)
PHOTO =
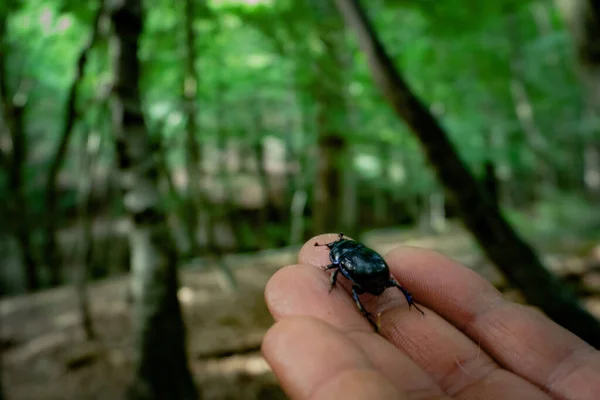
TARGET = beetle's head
(332,244)
(335,253)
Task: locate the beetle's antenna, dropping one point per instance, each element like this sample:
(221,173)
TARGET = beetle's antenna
(340,235)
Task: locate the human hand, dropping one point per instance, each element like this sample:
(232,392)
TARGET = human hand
(471,343)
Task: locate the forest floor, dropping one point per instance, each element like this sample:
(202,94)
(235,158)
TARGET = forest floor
(45,354)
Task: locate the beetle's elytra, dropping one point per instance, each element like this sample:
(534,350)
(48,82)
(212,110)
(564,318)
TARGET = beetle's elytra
(365,268)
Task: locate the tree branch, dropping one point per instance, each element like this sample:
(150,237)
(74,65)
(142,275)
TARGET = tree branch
(515,258)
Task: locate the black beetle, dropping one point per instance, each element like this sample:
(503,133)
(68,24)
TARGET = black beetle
(367,270)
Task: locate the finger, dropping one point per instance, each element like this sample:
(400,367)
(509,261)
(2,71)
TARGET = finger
(303,290)
(518,337)
(454,362)
(312,360)
(318,256)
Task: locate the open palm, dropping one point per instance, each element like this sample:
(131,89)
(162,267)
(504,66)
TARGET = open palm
(471,343)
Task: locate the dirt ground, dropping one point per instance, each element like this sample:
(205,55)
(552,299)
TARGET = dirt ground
(45,354)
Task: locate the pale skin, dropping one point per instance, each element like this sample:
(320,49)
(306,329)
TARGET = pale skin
(470,344)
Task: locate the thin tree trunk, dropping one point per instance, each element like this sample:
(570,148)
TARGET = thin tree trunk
(350,212)
(437,211)
(501,243)
(89,154)
(222,127)
(525,112)
(583,19)
(328,188)
(51,249)
(297,157)
(190,89)
(257,149)
(328,87)
(91,145)
(2,397)
(12,107)
(490,179)
(227,277)
(591,175)
(161,370)
(380,192)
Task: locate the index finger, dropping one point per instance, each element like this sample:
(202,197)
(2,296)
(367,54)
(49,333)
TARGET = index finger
(454,362)
(520,338)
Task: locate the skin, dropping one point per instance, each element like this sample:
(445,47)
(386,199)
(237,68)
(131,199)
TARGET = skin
(471,343)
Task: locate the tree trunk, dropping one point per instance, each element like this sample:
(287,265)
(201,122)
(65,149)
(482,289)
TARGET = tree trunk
(89,155)
(190,88)
(490,182)
(349,214)
(525,113)
(328,188)
(51,250)
(255,128)
(583,19)
(12,107)
(504,247)
(491,179)
(296,141)
(89,152)
(223,173)
(380,192)
(2,397)
(437,211)
(161,365)
(177,215)
(328,92)
(227,278)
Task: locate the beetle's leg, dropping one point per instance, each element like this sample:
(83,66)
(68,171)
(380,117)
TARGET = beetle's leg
(356,290)
(409,298)
(333,276)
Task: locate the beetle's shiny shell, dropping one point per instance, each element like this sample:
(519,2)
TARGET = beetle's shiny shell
(360,264)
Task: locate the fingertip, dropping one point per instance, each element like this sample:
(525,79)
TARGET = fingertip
(273,288)
(298,289)
(275,333)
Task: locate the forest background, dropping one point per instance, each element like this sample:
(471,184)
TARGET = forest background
(158,162)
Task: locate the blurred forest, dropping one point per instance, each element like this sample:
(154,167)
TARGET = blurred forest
(160,160)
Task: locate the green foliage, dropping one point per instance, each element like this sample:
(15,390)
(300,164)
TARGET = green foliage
(256,63)
(561,219)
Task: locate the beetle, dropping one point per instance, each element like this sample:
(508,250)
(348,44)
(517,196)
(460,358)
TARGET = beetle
(365,268)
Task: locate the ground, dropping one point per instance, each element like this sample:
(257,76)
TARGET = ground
(45,354)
